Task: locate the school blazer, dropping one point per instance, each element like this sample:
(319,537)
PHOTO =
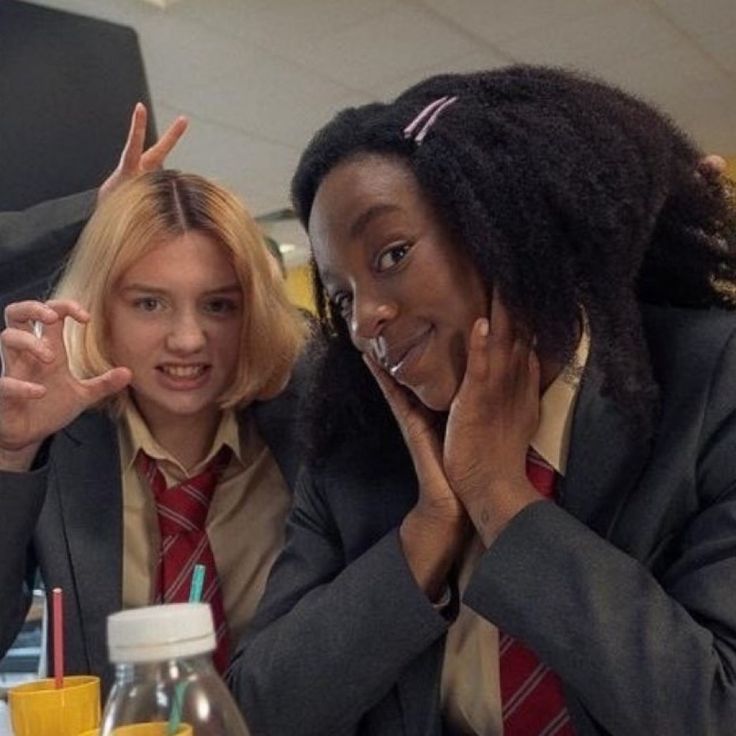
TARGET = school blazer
(64,519)
(626,588)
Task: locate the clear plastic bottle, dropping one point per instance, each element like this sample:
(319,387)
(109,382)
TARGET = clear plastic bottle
(164,675)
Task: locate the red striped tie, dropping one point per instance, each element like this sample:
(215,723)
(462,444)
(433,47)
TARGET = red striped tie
(182,513)
(532,703)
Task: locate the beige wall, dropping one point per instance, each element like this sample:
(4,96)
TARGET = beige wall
(299,287)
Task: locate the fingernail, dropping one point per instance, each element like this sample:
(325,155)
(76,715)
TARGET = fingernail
(484,328)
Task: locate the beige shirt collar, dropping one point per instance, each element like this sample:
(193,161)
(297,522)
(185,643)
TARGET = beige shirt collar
(137,436)
(557,405)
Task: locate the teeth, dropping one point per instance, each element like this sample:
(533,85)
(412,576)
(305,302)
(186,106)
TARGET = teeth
(380,351)
(183,371)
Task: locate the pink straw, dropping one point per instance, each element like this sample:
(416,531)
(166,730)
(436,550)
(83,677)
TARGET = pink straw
(58,619)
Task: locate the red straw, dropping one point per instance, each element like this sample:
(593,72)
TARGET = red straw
(58,618)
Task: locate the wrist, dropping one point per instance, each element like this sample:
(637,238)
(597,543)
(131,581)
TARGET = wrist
(430,546)
(448,530)
(493,507)
(18,461)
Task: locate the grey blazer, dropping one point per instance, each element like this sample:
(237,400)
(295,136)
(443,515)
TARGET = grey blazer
(65,519)
(626,588)
(34,244)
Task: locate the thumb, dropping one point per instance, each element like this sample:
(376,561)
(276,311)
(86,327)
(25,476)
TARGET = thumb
(109,383)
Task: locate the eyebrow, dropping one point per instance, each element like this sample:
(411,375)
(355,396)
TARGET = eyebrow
(228,289)
(356,228)
(365,218)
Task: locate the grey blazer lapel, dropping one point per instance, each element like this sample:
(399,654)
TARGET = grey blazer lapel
(605,463)
(277,424)
(88,470)
(606,458)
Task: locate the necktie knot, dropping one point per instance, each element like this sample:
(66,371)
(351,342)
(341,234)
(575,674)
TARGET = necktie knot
(183,507)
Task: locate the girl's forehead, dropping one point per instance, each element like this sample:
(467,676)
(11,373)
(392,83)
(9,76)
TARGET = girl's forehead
(374,169)
(357,186)
(192,252)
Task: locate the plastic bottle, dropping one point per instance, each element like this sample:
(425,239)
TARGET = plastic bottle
(164,675)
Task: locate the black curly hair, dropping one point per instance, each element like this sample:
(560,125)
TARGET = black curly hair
(566,192)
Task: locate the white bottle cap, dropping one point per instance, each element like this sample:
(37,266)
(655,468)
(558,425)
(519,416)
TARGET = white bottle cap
(160,632)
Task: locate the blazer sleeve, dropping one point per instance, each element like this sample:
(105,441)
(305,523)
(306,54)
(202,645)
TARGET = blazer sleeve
(329,640)
(21,498)
(643,655)
(37,240)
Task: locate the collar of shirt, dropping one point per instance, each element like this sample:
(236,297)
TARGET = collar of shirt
(137,436)
(557,405)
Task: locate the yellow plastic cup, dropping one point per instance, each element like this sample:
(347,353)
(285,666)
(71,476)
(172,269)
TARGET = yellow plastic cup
(144,729)
(38,709)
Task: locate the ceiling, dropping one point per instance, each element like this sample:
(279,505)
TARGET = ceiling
(258,77)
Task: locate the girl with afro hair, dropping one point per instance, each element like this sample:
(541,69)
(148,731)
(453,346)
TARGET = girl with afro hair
(519,512)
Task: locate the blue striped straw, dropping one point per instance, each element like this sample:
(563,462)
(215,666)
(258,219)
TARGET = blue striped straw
(195,592)
(195,596)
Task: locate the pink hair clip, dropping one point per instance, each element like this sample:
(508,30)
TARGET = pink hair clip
(427,117)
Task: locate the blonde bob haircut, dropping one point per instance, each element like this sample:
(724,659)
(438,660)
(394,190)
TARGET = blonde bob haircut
(158,207)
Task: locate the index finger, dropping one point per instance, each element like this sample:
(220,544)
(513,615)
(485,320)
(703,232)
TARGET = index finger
(131,155)
(69,308)
(54,332)
(155,156)
(21,315)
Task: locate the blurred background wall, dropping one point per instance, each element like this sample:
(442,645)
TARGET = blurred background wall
(67,86)
(258,77)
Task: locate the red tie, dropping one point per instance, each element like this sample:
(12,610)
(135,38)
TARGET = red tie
(532,703)
(182,512)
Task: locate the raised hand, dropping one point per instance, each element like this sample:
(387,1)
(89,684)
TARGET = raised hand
(134,160)
(38,393)
(491,422)
(433,531)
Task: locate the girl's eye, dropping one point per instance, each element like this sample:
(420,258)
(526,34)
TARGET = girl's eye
(147,304)
(221,306)
(392,256)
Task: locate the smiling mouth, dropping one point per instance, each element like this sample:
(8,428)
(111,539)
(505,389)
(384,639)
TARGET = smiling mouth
(399,359)
(183,372)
